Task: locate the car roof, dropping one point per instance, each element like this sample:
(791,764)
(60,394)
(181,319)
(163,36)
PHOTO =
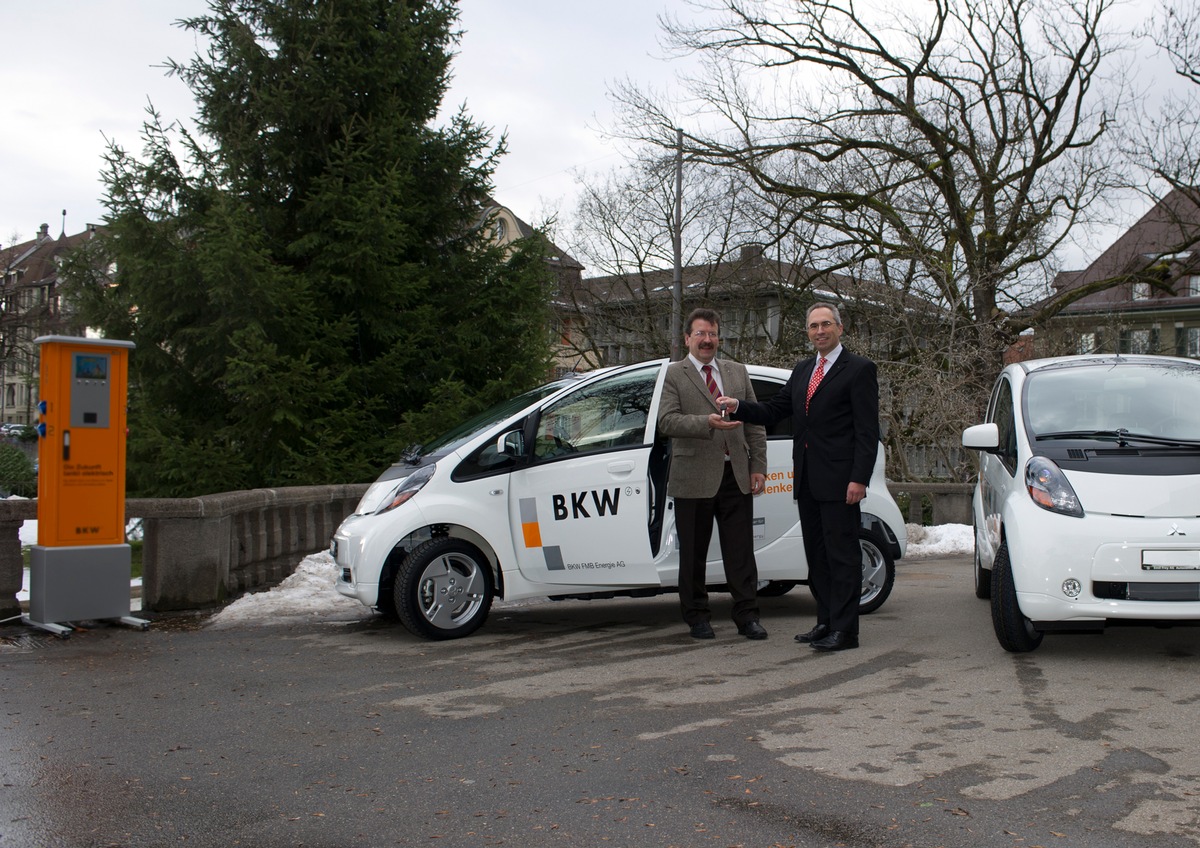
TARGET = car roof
(1103,359)
(755,370)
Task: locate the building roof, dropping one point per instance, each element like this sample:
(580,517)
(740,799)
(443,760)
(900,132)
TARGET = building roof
(35,262)
(555,254)
(749,273)
(1163,245)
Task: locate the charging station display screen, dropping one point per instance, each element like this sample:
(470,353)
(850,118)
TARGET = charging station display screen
(90,396)
(89,367)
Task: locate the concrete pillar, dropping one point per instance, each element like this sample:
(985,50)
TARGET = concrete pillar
(11,567)
(185,562)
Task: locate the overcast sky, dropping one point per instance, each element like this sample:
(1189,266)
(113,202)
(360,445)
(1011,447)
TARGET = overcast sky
(83,70)
(79,71)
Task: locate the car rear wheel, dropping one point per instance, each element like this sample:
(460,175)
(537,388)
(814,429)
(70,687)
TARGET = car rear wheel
(878,572)
(1013,630)
(444,589)
(983,577)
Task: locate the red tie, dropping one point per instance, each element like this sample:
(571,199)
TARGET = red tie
(710,382)
(818,373)
(712,390)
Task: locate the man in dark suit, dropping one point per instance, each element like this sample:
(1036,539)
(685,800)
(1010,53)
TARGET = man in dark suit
(717,466)
(833,400)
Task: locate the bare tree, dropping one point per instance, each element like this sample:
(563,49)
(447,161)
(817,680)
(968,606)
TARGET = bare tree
(1163,139)
(959,139)
(1177,31)
(943,151)
(623,234)
(745,252)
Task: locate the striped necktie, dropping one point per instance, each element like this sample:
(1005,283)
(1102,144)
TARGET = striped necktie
(712,390)
(710,382)
(817,375)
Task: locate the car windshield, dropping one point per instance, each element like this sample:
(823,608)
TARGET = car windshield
(1118,402)
(464,432)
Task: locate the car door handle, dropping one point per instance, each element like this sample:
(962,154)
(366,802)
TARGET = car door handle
(620,467)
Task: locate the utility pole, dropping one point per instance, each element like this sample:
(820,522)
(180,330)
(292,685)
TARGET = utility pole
(677,244)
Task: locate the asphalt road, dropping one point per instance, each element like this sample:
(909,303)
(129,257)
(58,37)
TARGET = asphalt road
(603,724)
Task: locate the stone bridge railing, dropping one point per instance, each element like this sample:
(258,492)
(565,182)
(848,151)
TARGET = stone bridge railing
(946,503)
(201,552)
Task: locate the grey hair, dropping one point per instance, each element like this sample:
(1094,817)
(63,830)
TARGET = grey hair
(820,304)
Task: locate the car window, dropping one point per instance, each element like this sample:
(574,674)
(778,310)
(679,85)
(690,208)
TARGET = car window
(1151,400)
(1002,415)
(764,390)
(610,413)
(464,432)
(487,459)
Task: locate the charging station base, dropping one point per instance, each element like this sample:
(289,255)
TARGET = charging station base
(79,583)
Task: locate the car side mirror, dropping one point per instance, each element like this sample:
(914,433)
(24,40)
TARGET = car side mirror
(511,444)
(982,437)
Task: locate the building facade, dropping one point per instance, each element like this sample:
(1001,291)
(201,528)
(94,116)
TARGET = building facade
(31,305)
(1141,295)
(566,273)
(613,320)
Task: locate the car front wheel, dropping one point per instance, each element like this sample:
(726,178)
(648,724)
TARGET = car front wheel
(444,589)
(1013,630)
(878,572)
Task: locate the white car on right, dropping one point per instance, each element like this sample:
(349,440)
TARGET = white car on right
(1087,510)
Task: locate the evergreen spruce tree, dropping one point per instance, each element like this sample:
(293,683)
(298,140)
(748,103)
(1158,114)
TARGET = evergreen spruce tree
(310,265)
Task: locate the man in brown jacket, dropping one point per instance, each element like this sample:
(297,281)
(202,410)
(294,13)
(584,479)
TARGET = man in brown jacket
(717,466)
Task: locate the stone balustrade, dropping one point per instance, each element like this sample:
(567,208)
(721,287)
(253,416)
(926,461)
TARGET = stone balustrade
(947,503)
(201,552)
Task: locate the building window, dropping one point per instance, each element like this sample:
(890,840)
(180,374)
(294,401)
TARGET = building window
(564,331)
(1135,341)
(1191,286)
(1087,343)
(1140,291)
(1187,342)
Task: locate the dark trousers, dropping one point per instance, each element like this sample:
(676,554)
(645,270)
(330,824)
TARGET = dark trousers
(733,511)
(834,557)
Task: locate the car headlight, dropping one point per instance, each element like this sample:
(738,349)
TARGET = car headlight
(386,495)
(1049,487)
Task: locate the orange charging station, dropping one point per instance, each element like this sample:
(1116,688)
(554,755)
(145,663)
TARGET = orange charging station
(80,567)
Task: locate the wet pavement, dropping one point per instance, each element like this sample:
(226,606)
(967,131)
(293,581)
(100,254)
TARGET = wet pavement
(603,723)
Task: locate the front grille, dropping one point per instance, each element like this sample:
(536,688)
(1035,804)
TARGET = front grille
(1115,591)
(346,575)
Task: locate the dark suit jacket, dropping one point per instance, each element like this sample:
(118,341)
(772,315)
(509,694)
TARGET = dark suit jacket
(839,434)
(697,450)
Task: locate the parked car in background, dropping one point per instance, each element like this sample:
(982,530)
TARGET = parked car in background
(561,493)
(1087,510)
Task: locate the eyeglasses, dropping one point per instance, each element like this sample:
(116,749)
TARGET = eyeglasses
(820,325)
(704,334)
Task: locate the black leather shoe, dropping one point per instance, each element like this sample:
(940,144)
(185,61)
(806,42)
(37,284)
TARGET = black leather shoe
(703,630)
(752,630)
(837,640)
(818,632)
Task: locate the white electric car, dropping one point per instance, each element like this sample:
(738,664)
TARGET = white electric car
(1087,511)
(561,493)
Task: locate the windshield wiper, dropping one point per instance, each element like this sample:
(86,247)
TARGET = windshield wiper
(412,454)
(1121,436)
